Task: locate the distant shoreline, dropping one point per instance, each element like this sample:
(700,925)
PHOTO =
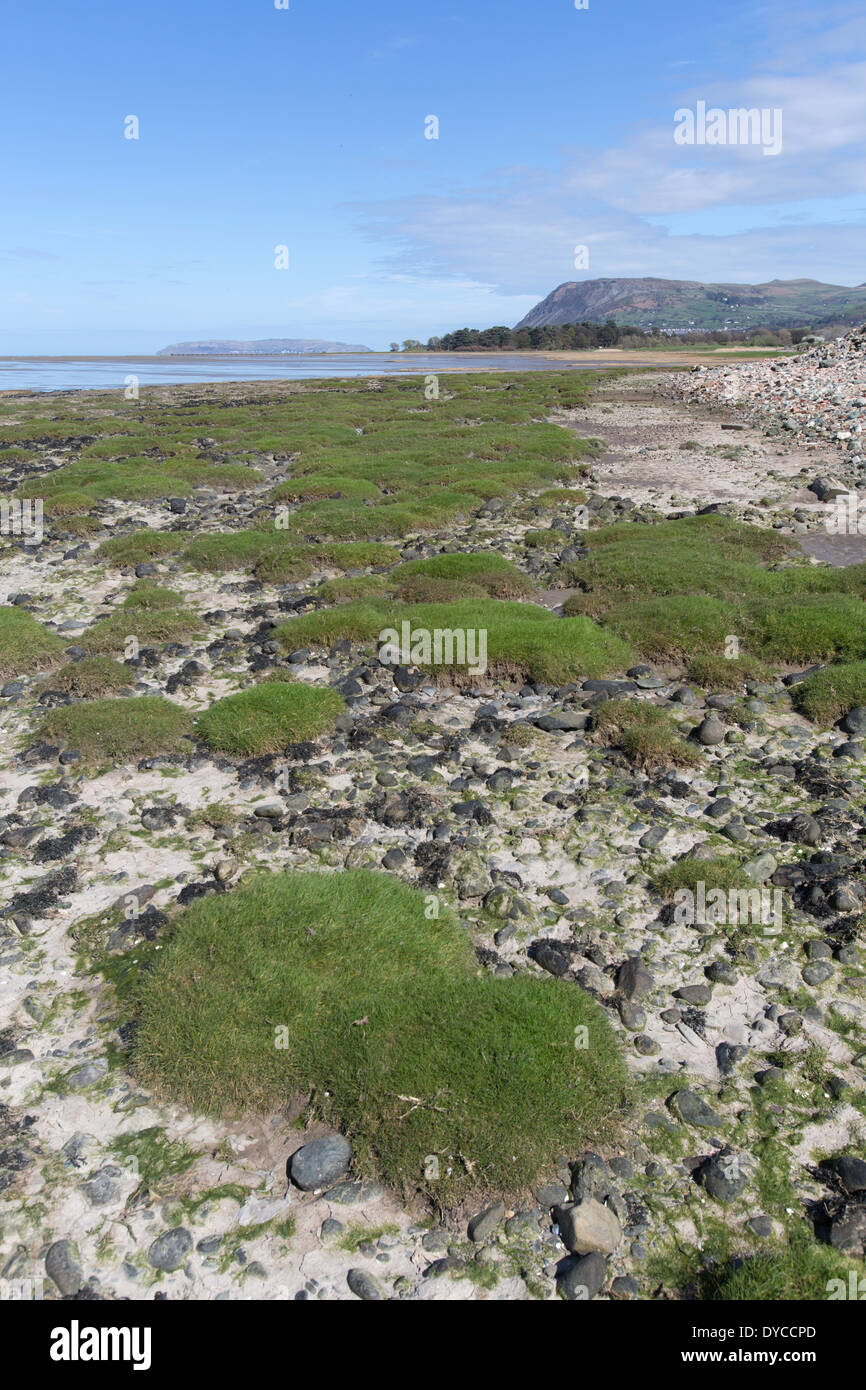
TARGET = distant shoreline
(555,354)
(186,357)
(134,374)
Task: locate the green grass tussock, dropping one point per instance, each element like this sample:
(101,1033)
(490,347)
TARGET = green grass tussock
(678,589)
(348,589)
(90,677)
(149,625)
(268,717)
(121,730)
(524,641)
(644,734)
(321,485)
(725,873)
(453,574)
(802,1270)
(151,598)
(826,696)
(723,673)
(380,1004)
(137,546)
(84,482)
(25,645)
(274,559)
(707,555)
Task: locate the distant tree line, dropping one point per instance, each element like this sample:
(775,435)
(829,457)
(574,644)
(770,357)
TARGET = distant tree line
(570,336)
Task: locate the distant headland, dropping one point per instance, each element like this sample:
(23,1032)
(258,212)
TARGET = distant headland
(261,347)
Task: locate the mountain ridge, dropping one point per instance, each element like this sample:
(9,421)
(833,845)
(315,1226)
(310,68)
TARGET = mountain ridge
(689,305)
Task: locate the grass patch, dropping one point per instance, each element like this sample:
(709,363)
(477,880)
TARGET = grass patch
(545,540)
(524,641)
(141,545)
(801,1270)
(82,483)
(644,734)
(93,676)
(357,1235)
(709,555)
(676,629)
(273,559)
(150,625)
(781,631)
(725,873)
(119,730)
(490,575)
(80,526)
(25,645)
(811,627)
(677,589)
(394,517)
(828,695)
(347,589)
(380,1004)
(151,597)
(268,717)
(721,673)
(425,588)
(322,485)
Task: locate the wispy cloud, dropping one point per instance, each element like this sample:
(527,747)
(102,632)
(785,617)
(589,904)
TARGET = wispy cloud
(393,46)
(524,223)
(28,253)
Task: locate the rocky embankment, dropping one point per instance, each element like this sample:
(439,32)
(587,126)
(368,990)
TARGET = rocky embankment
(818,395)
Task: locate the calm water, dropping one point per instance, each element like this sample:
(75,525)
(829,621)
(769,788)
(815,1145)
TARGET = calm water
(109,373)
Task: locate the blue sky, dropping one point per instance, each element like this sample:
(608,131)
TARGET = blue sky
(305,127)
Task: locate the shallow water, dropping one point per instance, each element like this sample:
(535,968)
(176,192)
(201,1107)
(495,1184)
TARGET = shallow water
(110,373)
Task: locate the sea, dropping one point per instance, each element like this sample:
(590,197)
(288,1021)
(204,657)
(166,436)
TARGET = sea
(114,373)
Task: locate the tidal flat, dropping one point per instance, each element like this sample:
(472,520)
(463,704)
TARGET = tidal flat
(333,971)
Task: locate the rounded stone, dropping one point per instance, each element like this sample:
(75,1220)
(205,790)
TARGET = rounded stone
(854,721)
(365,1286)
(817,973)
(169,1250)
(62,1265)
(583,1279)
(321,1163)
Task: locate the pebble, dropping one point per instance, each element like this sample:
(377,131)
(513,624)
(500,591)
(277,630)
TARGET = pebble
(321,1163)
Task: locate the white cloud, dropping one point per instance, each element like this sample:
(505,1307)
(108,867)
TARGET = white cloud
(518,231)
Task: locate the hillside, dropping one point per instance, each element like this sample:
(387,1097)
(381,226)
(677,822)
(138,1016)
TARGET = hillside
(261,347)
(688,305)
